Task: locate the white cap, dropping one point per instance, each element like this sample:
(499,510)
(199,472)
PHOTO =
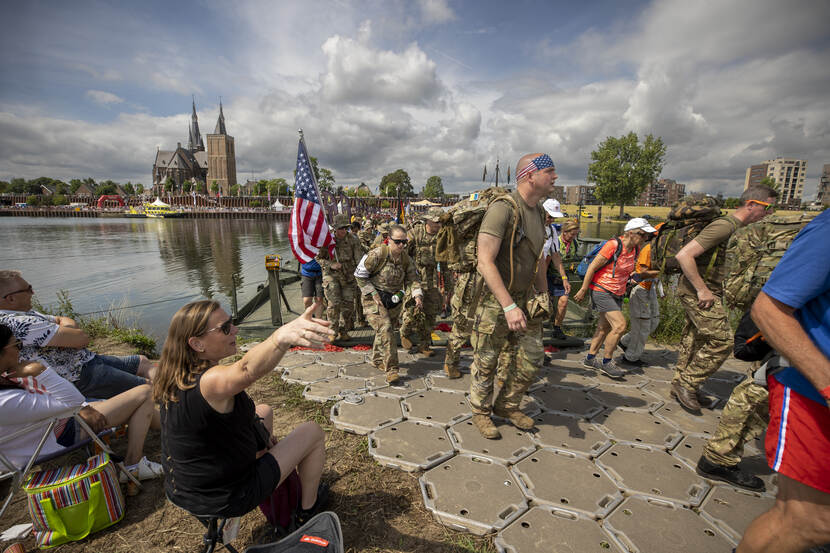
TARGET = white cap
(638,223)
(553,208)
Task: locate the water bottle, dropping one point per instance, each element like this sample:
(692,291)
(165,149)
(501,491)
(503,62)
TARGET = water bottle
(398,297)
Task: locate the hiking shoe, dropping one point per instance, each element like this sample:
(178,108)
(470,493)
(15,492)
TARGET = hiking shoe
(342,337)
(406,343)
(685,397)
(451,371)
(486,427)
(609,369)
(589,363)
(733,475)
(516,418)
(392,377)
(143,470)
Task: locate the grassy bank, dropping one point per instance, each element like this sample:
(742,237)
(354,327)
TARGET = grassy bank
(111,325)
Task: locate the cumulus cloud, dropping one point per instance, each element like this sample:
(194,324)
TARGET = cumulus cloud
(104,98)
(436,11)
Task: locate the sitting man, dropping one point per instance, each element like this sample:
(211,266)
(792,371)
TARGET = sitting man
(59,344)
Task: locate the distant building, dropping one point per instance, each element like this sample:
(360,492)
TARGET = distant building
(195,164)
(363,189)
(558,193)
(754,175)
(662,193)
(788,173)
(823,196)
(581,194)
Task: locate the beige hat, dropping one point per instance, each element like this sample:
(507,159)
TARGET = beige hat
(341,221)
(433,214)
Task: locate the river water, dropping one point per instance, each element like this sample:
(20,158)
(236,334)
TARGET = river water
(147,268)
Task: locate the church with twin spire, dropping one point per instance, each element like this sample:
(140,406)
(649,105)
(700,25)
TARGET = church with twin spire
(211,169)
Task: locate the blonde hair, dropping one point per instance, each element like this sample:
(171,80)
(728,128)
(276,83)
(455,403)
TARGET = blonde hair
(179,364)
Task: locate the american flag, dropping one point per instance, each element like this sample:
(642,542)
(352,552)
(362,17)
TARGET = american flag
(308,231)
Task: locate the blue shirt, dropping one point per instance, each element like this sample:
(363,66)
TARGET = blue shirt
(801,280)
(311,269)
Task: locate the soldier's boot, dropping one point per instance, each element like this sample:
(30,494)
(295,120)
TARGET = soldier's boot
(486,427)
(343,336)
(406,343)
(424,349)
(516,417)
(451,370)
(392,376)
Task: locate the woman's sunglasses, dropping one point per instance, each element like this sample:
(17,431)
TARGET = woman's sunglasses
(400,241)
(224,327)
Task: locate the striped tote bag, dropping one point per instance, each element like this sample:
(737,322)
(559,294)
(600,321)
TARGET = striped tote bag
(69,503)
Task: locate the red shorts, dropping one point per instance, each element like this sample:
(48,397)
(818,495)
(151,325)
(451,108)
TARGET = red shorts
(798,437)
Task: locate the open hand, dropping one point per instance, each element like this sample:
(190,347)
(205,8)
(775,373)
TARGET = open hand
(306,330)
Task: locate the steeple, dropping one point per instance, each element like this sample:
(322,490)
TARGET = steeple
(194,143)
(220,124)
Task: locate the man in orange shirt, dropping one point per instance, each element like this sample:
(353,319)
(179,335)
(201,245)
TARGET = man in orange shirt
(643,309)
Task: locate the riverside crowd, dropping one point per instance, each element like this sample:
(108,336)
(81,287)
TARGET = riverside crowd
(500,264)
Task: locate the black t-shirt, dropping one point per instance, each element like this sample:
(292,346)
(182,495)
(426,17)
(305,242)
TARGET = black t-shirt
(208,457)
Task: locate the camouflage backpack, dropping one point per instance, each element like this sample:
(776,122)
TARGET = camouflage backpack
(461,223)
(753,252)
(686,219)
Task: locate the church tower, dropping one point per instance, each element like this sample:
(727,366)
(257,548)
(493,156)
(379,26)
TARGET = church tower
(221,157)
(194,141)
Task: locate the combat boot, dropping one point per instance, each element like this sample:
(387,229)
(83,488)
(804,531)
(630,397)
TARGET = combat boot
(406,343)
(516,417)
(486,427)
(343,336)
(392,377)
(452,372)
(424,349)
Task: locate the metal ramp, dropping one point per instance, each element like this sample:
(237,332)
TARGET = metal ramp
(369,413)
(513,445)
(706,423)
(296,359)
(659,388)
(650,471)
(731,509)
(649,526)
(362,370)
(569,433)
(690,448)
(441,382)
(410,446)
(342,358)
(544,529)
(436,407)
(638,427)
(472,494)
(655,372)
(567,401)
(306,374)
(574,379)
(405,387)
(567,481)
(720,388)
(334,389)
(624,396)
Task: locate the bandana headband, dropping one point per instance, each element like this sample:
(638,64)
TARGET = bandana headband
(542,162)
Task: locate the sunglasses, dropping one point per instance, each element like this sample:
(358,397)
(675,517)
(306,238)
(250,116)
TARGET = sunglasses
(28,289)
(224,327)
(767,206)
(400,241)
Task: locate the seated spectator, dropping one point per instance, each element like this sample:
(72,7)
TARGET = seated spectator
(30,392)
(607,277)
(59,344)
(218,450)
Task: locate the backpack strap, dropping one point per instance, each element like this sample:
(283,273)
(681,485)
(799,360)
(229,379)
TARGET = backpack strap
(711,264)
(516,215)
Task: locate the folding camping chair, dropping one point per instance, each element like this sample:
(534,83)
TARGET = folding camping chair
(18,475)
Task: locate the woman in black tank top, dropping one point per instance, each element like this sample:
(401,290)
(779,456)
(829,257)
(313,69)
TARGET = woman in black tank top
(218,452)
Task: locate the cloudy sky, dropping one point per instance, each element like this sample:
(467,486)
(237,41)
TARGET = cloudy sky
(436,87)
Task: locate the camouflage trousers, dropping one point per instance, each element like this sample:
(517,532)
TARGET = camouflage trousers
(421,322)
(340,295)
(359,319)
(489,338)
(463,298)
(744,418)
(384,322)
(706,342)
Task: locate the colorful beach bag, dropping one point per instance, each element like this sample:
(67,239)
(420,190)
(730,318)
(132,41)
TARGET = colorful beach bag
(69,503)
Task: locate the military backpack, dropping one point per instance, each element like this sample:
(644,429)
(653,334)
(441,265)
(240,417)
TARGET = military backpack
(686,219)
(752,254)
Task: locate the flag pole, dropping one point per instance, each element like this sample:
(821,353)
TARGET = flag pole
(317,190)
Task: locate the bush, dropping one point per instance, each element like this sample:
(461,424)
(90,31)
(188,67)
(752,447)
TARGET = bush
(59,199)
(255,203)
(33,200)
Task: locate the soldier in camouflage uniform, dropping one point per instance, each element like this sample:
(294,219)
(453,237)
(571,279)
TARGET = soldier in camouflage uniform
(367,234)
(421,248)
(383,234)
(707,335)
(339,284)
(509,263)
(385,271)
